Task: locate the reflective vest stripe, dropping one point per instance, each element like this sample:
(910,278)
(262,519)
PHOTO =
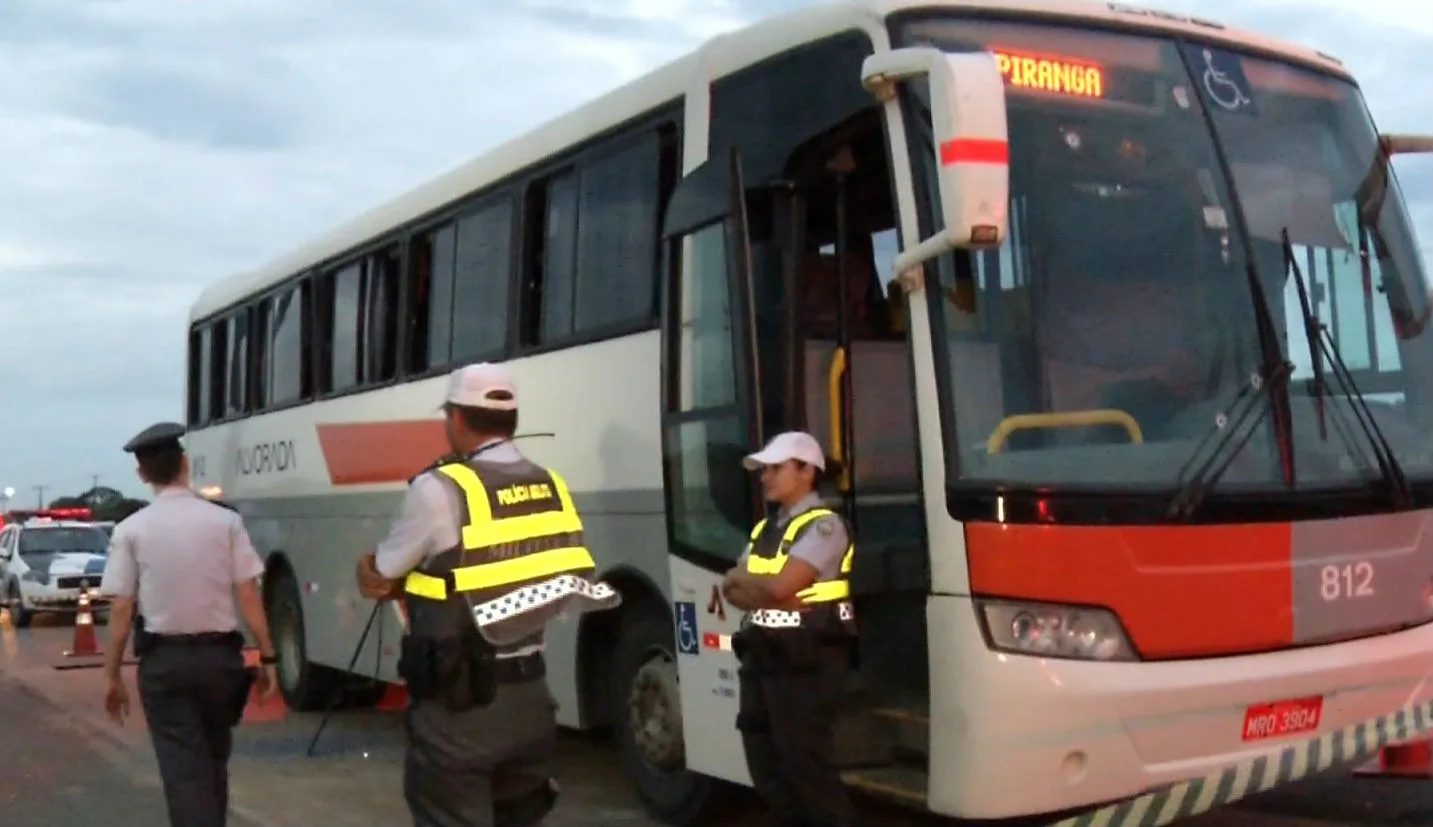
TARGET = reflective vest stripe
(483,531)
(490,575)
(782,619)
(826,591)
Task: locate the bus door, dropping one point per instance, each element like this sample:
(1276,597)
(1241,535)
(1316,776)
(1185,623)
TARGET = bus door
(852,384)
(711,391)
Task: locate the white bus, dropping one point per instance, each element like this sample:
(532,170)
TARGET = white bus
(1104,544)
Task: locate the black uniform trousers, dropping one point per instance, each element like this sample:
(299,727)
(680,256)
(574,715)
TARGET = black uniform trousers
(458,764)
(193,693)
(786,719)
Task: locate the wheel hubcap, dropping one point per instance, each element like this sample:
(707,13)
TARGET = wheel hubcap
(655,713)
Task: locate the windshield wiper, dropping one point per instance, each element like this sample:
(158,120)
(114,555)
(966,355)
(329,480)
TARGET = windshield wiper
(1233,427)
(1322,345)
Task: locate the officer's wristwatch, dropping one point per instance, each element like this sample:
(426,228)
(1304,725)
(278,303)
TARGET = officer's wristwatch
(268,660)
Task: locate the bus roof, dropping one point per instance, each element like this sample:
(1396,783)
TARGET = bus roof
(720,56)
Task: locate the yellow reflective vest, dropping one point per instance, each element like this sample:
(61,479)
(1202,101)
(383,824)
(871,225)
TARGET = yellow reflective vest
(521,552)
(767,553)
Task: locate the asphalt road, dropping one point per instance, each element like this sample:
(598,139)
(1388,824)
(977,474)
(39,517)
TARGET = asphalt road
(63,765)
(56,774)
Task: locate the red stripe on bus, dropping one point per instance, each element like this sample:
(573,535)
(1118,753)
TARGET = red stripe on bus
(1180,591)
(974,151)
(364,453)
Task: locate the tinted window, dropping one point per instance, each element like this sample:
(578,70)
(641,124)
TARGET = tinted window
(380,334)
(347,291)
(440,308)
(260,332)
(480,288)
(429,319)
(41,540)
(559,257)
(768,109)
(238,362)
(200,375)
(617,236)
(218,367)
(286,348)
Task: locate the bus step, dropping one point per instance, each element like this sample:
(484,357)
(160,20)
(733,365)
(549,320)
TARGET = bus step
(903,783)
(908,725)
(862,740)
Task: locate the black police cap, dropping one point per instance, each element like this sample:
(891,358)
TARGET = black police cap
(164,435)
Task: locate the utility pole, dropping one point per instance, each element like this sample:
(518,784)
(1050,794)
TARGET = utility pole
(94,481)
(40,496)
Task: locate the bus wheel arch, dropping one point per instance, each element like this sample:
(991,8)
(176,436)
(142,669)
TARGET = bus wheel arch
(643,704)
(306,686)
(597,637)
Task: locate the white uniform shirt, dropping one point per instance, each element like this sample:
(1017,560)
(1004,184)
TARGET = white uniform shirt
(181,555)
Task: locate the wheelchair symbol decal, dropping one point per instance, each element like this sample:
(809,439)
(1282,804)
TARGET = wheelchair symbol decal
(688,638)
(1221,88)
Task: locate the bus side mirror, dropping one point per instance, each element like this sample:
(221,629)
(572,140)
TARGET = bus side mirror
(1406,144)
(968,124)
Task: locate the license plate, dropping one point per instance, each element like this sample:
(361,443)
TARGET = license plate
(1282,718)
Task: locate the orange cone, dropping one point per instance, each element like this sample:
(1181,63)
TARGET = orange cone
(259,710)
(395,699)
(1411,760)
(86,643)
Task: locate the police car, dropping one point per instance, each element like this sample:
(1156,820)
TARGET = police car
(45,562)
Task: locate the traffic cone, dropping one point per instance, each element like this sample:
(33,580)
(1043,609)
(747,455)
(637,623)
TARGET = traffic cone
(86,644)
(258,709)
(1411,760)
(395,698)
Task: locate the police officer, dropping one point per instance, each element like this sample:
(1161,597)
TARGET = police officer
(487,549)
(796,642)
(189,562)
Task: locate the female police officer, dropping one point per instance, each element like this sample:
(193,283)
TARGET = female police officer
(795,645)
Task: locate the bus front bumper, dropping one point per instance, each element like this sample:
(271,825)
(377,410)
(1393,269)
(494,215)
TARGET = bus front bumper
(1014,735)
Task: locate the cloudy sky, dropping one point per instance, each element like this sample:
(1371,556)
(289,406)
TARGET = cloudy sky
(149,147)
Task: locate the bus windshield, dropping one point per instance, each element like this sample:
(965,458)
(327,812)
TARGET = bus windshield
(1153,184)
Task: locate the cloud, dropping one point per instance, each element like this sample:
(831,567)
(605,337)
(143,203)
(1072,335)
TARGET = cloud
(149,148)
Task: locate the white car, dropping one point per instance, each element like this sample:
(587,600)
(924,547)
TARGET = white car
(45,563)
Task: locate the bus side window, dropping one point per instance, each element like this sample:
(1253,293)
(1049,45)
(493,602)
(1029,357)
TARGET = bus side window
(417,327)
(200,373)
(288,378)
(238,367)
(218,367)
(343,328)
(260,359)
(380,310)
(482,271)
(549,259)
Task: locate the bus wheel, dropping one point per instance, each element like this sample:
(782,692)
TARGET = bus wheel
(305,686)
(648,718)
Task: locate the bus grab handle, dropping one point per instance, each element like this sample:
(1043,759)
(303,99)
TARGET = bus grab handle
(1069,419)
(833,399)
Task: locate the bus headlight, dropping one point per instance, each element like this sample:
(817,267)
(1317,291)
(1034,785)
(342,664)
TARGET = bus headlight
(1054,631)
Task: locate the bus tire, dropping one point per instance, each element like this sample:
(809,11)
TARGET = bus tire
(644,692)
(306,686)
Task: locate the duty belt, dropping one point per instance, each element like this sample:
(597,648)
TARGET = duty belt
(779,619)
